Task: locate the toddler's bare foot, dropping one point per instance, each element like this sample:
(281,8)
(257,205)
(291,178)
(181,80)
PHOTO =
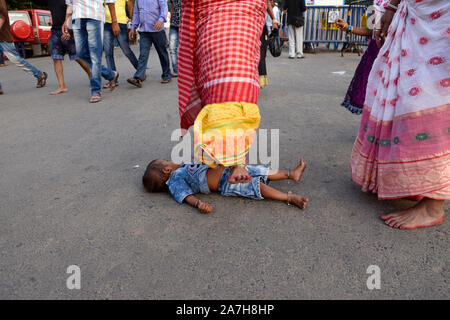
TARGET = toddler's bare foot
(239,175)
(58,91)
(297,173)
(426,213)
(298,201)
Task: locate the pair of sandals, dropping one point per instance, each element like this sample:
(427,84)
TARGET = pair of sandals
(111,85)
(138,82)
(41,80)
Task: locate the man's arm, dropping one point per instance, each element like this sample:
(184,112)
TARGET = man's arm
(134,22)
(163,10)
(112,9)
(65,27)
(272,16)
(130,8)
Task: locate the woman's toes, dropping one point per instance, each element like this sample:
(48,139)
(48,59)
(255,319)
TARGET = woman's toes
(392,223)
(397,224)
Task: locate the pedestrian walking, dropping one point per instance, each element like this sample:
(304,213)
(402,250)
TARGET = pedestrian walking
(271,22)
(88,17)
(7,46)
(295,21)
(149,16)
(61,44)
(109,39)
(175,17)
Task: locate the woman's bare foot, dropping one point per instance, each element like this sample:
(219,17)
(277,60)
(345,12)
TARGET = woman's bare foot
(239,174)
(58,91)
(298,201)
(426,213)
(297,173)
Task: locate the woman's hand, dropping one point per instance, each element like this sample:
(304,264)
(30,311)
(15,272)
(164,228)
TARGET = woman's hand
(204,207)
(341,24)
(377,37)
(385,22)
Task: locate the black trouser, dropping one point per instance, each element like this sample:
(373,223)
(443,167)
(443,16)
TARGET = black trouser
(262,68)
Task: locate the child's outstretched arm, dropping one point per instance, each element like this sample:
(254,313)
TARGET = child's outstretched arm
(343,26)
(197,203)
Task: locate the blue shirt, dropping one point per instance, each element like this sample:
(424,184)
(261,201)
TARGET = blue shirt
(147,12)
(187,180)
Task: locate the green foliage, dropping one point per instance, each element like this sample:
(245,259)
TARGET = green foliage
(26,4)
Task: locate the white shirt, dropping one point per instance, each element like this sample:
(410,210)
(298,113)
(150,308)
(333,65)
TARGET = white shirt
(88,9)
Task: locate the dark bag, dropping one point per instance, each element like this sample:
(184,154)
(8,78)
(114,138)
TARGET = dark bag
(299,21)
(274,43)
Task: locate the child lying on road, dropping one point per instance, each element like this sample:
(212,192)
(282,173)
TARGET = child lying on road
(184,181)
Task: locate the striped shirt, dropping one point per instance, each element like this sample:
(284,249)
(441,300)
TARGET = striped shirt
(88,9)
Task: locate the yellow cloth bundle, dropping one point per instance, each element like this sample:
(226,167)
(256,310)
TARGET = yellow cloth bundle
(224,132)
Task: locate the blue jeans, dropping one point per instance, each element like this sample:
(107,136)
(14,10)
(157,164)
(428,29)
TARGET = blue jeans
(108,46)
(20,47)
(173,47)
(10,51)
(2,60)
(88,35)
(160,41)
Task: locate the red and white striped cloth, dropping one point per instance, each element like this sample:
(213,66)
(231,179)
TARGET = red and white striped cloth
(219,54)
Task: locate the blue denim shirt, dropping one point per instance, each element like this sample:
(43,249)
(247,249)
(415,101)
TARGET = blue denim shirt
(187,180)
(147,12)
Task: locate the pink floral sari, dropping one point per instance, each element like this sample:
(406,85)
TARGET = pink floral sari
(403,145)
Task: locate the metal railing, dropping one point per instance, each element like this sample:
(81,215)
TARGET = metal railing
(318,28)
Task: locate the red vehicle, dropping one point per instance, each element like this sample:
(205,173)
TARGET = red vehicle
(33,28)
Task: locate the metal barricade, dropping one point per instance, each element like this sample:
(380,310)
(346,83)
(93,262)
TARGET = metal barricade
(317,28)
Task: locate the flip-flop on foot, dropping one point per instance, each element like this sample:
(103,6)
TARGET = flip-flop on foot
(96,97)
(114,82)
(135,82)
(41,80)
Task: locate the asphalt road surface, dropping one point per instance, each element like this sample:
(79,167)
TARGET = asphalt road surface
(70,194)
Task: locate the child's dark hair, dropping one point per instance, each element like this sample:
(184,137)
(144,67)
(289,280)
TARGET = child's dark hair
(154,179)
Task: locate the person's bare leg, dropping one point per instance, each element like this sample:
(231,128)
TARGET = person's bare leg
(296,174)
(273,194)
(60,75)
(85,67)
(426,213)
